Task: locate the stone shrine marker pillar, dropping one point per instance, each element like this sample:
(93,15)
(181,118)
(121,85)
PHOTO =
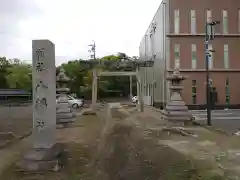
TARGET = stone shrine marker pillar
(44,93)
(94,88)
(45,152)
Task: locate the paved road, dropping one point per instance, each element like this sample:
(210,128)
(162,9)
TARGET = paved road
(227,120)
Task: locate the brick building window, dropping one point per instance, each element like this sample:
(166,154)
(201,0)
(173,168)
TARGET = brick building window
(176,21)
(209,19)
(194,92)
(238,21)
(210,58)
(226,56)
(227,93)
(208,15)
(193,22)
(194,56)
(177,54)
(225,21)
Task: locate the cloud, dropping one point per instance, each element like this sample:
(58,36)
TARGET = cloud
(116,26)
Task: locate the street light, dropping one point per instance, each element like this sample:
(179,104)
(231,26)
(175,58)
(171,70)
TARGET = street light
(208,53)
(214,23)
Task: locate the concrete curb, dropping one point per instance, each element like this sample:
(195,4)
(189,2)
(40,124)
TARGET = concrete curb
(210,128)
(16,139)
(198,124)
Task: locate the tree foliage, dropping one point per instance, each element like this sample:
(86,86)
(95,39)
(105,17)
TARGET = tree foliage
(15,74)
(19,76)
(4,64)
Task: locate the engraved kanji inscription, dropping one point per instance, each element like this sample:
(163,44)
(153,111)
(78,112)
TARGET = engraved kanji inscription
(39,63)
(40,124)
(41,102)
(40,54)
(40,85)
(40,67)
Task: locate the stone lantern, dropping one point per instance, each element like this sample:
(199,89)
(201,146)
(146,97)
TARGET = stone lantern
(176,109)
(64,112)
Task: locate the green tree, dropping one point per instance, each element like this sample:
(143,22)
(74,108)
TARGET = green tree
(75,70)
(80,73)
(122,55)
(4,64)
(86,89)
(19,76)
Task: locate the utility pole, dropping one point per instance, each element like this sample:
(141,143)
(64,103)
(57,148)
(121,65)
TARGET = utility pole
(92,50)
(209,35)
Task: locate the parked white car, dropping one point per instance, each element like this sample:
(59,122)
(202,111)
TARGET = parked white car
(73,102)
(134,99)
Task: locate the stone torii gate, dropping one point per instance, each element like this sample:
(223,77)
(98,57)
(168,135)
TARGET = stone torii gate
(97,74)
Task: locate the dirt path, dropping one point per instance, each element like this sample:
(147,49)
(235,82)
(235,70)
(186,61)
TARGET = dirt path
(10,154)
(132,149)
(81,141)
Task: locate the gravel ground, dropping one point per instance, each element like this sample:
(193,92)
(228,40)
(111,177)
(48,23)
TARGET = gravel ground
(17,120)
(122,152)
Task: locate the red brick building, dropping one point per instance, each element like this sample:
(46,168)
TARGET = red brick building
(178,35)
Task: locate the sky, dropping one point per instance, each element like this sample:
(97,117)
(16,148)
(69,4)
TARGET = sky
(115,26)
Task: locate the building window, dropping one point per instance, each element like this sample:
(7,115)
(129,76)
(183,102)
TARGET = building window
(194,56)
(177,54)
(193,22)
(176,21)
(209,19)
(210,58)
(226,56)
(227,93)
(238,21)
(209,15)
(225,21)
(194,92)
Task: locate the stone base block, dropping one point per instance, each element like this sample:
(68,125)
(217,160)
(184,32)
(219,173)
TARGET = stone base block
(64,110)
(131,105)
(88,112)
(65,123)
(4,136)
(178,117)
(96,107)
(67,120)
(159,104)
(65,116)
(40,160)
